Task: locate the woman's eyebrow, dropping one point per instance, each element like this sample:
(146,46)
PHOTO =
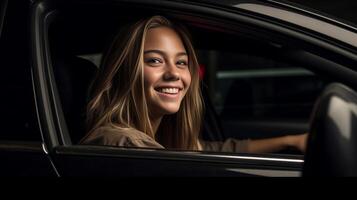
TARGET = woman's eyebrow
(163,53)
(181,54)
(154,51)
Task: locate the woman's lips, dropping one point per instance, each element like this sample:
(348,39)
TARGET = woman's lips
(170,92)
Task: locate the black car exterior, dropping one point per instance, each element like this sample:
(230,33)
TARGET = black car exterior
(37,139)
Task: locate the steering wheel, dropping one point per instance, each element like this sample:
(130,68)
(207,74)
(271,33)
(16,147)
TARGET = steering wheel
(332,142)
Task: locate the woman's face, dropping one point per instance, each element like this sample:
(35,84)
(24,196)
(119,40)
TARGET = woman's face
(166,73)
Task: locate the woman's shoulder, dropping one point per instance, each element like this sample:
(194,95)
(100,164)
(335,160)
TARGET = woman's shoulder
(118,132)
(117,136)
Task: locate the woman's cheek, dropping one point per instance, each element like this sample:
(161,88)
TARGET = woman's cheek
(187,82)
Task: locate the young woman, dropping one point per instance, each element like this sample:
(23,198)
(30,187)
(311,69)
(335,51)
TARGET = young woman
(147,94)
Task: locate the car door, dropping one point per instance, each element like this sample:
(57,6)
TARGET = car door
(72,159)
(21,147)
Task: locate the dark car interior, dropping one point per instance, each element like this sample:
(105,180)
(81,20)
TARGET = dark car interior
(74,91)
(252,88)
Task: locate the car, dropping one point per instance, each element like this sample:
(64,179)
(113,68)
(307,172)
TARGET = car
(269,69)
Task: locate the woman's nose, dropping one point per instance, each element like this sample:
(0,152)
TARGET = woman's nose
(171,72)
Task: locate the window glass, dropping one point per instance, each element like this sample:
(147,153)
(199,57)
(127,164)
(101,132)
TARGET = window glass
(254,86)
(255,91)
(250,90)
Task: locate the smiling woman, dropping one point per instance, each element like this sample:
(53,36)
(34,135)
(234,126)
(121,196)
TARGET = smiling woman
(147,94)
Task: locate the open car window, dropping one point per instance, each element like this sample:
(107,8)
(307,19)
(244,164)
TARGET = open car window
(256,90)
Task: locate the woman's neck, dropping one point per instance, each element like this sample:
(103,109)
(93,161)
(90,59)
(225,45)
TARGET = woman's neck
(155,123)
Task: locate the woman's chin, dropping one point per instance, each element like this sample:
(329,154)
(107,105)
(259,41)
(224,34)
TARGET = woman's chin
(170,109)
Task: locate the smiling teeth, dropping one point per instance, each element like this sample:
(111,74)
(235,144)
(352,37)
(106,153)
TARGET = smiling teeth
(169,90)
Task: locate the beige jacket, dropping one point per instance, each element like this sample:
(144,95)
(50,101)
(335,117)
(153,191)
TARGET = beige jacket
(129,137)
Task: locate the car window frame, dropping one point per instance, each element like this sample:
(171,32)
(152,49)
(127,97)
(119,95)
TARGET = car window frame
(51,116)
(3,7)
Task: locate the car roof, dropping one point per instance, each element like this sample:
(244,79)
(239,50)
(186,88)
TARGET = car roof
(286,4)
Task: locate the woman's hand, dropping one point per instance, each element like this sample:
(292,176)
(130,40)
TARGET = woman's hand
(298,141)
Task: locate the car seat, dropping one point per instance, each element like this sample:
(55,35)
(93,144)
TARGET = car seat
(332,142)
(212,129)
(73,77)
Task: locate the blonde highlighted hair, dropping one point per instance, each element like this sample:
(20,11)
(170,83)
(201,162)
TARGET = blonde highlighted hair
(118,96)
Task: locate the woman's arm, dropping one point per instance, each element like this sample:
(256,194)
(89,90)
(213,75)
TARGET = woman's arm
(256,146)
(277,144)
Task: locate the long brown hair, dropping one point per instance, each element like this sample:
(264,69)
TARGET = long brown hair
(118,97)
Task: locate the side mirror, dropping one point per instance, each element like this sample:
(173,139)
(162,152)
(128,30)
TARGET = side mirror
(332,142)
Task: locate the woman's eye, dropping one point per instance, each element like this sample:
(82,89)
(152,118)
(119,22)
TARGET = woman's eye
(182,63)
(153,61)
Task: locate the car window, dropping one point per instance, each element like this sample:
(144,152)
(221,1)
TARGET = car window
(254,90)
(259,97)
(19,119)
